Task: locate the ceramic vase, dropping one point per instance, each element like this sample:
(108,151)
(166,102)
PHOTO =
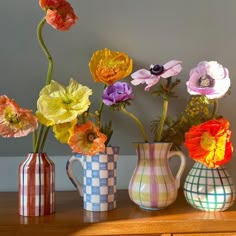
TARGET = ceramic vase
(152,185)
(99,185)
(209,189)
(36,185)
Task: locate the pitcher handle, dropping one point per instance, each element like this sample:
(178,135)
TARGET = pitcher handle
(70,173)
(181,168)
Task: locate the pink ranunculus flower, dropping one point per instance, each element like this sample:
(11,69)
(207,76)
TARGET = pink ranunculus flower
(14,120)
(156,72)
(62,17)
(210,79)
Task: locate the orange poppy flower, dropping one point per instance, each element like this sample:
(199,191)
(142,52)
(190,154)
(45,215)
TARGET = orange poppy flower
(209,143)
(107,66)
(15,121)
(87,139)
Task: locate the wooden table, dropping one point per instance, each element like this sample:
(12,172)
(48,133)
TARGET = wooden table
(127,219)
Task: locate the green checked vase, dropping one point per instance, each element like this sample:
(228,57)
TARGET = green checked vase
(209,189)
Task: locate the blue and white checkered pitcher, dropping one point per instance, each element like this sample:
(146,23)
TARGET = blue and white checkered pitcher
(99,179)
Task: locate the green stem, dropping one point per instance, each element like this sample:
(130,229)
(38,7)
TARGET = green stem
(101,109)
(47,53)
(162,121)
(137,121)
(44,139)
(215,108)
(38,140)
(41,136)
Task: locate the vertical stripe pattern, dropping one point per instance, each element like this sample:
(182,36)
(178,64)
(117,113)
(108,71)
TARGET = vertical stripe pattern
(36,185)
(152,185)
(209,189)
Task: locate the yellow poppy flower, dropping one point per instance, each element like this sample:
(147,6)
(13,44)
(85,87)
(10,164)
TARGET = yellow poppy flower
(108,66)
(63,132)
(59,104)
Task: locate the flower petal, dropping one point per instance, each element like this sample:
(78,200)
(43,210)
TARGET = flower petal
(80,141)
(108,66)
(209,142)
(60,104)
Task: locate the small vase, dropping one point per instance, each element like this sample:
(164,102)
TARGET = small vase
(99,179)
(209,189)
(36,185)
(152,185)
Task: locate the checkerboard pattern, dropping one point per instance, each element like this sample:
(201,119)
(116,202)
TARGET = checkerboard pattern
(36,195)
(209,189)
(99,179)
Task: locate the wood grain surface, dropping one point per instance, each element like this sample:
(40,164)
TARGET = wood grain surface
(127,219)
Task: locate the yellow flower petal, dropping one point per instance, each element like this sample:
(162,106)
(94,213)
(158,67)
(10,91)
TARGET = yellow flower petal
(60,104)
(63,132)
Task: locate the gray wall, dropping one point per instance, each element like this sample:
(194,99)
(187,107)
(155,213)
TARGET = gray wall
(150,31)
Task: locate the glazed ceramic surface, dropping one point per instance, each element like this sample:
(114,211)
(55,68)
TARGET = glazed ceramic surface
(152,185)
(36,185)
(99,179)
(209,189)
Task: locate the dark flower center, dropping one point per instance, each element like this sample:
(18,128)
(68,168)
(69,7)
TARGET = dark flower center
(91,136)
(206,81)
(12,118)
(156,69)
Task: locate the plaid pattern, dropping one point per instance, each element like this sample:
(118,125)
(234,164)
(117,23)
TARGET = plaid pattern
(209,189)
(99,179)
(36,185)
(152,185)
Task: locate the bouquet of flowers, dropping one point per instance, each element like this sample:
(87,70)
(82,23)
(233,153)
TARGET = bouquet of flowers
(91,135)
(55,105)
(119,95)
(65,109)
(209,142)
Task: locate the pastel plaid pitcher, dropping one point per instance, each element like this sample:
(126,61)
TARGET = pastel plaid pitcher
(152,185)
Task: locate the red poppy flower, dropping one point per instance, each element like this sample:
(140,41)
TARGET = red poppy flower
(209,143)
(46,4)
(61,17)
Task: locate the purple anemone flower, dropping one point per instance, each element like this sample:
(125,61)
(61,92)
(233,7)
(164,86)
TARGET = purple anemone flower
(210,79)
(156,72)
(116,93)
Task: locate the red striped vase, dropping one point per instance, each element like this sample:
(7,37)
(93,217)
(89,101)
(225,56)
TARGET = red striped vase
(36,185)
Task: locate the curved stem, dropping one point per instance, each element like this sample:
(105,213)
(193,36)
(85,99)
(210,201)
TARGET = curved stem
(162,121)
(137,121)
(47,53)
(215,108)
(41,136)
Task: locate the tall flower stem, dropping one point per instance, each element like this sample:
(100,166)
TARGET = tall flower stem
(137,121)
(215,108)
(162,121)
(42,134)
(47,53)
